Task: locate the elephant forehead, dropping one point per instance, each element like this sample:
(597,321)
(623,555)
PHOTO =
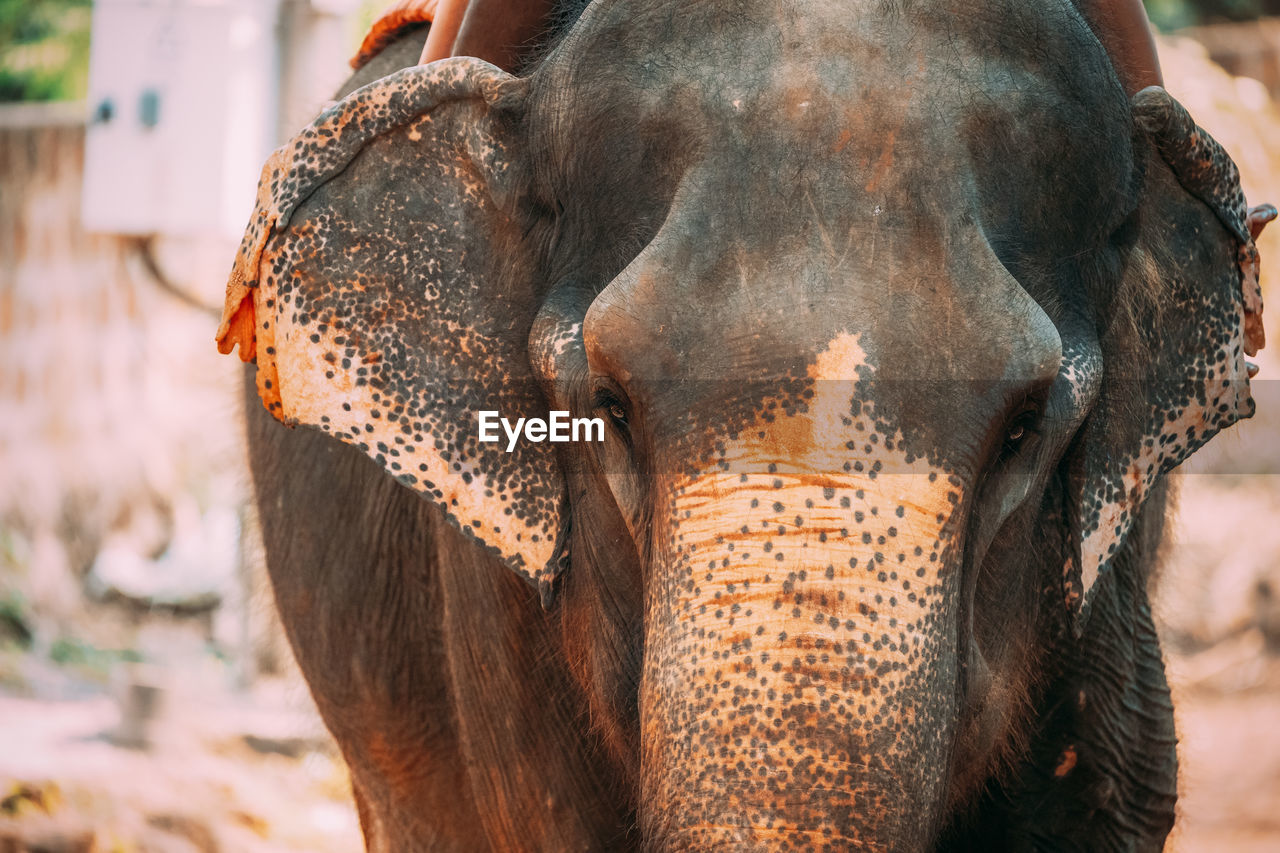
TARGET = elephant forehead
(804,68)
(817,303)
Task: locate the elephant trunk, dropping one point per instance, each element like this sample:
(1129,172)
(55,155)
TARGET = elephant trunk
(799,678)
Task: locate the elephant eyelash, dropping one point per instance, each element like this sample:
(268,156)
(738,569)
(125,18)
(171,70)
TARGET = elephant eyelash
(1025,426)
(607,400)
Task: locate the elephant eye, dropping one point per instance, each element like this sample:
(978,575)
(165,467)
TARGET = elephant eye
(1019,430)
(606,399)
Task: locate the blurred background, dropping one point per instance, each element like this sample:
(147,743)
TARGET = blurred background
(148,700)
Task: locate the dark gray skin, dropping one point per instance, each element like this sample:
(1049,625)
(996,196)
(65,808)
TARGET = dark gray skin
(897,317)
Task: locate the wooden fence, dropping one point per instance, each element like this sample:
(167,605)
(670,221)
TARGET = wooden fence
(119,423)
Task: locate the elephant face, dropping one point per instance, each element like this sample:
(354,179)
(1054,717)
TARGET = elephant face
(894,319)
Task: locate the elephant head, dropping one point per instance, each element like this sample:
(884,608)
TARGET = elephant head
(894,316)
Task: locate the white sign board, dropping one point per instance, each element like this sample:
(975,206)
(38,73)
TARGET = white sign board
(182,105)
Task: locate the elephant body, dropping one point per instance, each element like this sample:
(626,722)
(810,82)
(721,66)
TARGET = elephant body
(898,317)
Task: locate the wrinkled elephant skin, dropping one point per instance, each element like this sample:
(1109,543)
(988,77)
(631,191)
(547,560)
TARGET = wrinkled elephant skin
(896,314)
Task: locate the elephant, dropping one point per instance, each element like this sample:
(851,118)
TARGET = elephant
(895,316)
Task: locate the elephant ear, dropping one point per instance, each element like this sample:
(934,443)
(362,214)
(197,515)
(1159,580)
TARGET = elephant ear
(1171,369)
(384,291)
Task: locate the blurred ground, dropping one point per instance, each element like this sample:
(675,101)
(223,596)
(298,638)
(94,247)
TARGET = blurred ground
(147,704)
(224,771)
(1218,603)
(1220,621)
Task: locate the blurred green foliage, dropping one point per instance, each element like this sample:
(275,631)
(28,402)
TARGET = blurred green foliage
(1172,14)
(88,660)
(44,49)
(15,620)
